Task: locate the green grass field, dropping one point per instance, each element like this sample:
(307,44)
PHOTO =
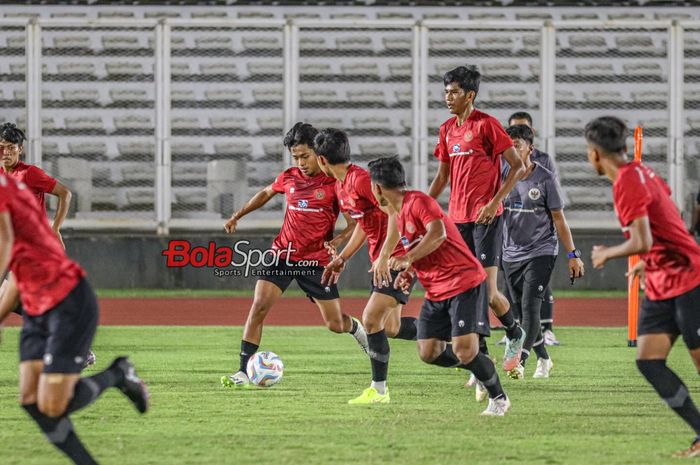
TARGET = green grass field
(596,409)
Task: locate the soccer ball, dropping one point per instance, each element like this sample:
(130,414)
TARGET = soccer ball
(265,369)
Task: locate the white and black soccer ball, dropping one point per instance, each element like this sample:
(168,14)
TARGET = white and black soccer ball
(265,369)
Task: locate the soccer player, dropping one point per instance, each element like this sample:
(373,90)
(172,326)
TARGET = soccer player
(670,264)
(60,316)
(382,314)
(469,148)
(454,280)
(312,211)
(543,159)
(533,216)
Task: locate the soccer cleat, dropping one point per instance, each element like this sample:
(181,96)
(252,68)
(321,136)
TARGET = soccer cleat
(514,347)
(238,380)
(480,394)
(503,341)
(518,372)
(497,407)
(544,366)
(692,451)
(131,385)
(550,339)
(371,396)
(361,336)
(90,359)
(471,382)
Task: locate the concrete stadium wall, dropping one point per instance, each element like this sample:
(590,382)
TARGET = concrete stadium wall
(125,261)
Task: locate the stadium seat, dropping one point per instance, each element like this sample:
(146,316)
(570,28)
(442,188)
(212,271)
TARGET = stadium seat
(270,70)
(357,43)
(532,43)
(210,14)
(72,42)
(655,127)
(20,95)
(690,43)
(122,98)
(587,43)
(378,149)
(87,149)
(397,44)
(69,14)
(395,15)
(88,96)
(348,16)
(121,42)
(184,124)
(564,96)
(627,16)
(255,15)
(508,95)
(369,97)
(597,97)
(229,124)
(694,122)
(205,45)
(273,150)
(400,71)
(266,97)
(312,43)
(403,97)
(569,126)
(181,97)
(380,124)
(650,96)
(122,14)
(178,70)
(19,42)
(316,71)
(634,43)
(139,174)
(231,96)
(302,16)
(495,42)
(66,71)
(326,122)
(188,173)
(652,70)
(271,124)
(133,124)
(365,71)
(127,69)
(261,43)
(579,16)
(139,199)
(177,43)
(673,15)
(691,95)
(136,150)
(446,43)
(596,70)
(533,16)
(318,96)
(187,149)
(161,14)
(218,70)
(242,149)
(500,71)
(487,16)
(84,125)
(190,199)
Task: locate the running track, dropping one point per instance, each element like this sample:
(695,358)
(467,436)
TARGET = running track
(297,311)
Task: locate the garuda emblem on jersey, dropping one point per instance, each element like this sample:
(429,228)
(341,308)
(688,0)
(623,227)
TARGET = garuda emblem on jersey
(534,193)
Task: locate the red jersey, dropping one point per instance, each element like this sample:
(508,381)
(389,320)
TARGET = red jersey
(356,199)
(673,263)
(450,269)
(36,179)
(44,274)
(473,151)
(312,210)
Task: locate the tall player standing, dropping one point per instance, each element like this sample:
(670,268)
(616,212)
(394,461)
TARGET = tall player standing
(382,313)
(60,316)
(312,211)
(670,265)
(470,147)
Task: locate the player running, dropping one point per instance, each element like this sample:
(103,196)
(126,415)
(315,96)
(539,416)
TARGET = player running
(533,216)
(454,280)
(60,316)
(382,314)
(312,211)
(670,265)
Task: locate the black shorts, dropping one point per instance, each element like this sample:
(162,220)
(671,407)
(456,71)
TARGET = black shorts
(532,274)
(459,315)
(484,240)
(62,336)
(397,294)
(679,315)
(308,278)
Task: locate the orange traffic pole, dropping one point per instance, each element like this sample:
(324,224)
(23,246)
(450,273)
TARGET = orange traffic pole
(633,284)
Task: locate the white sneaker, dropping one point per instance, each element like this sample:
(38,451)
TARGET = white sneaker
(471,382)
(518,372)
(550,339)
(237,380)
(361,336)
(497,407)
(481,393)
(503,341)
(544,366)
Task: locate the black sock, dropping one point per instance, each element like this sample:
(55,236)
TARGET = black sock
(524,355)
(483,345)
(672,390)
(59,432)
(378,355)
(87,390)
(508,322)
(248,349)
(353,327)
(540,349)
(408,329)
(546,326)
(483,369)
(447,359)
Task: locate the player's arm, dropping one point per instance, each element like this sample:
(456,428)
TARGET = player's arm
(487,213)
(64,195)
(257,201)
(435,235)
(640,242)
(338,241)
(380,267)
(9,299)
(7,238)
(575,264)
(442,178)
(331,272)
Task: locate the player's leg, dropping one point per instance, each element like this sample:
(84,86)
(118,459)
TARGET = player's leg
(547,318)
(395,325)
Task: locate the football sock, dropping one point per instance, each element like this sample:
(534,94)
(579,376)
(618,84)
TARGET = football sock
(87,390)
(447,359)
(483,369)
(380,386)
(379,355)
(408,329)
(508,321)
(248,349)
(59,432)
(524,355)
(483,345)
(353,328)
(547,326)
(540,349)
(672,390)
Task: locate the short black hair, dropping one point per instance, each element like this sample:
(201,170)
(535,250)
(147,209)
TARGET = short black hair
(334,145)
(468,78)
(387,172)
(301,133)
(521,131)
(520,115)
(607,132)
(11,133)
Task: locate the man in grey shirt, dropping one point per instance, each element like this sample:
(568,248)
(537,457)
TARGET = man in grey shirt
(533,216)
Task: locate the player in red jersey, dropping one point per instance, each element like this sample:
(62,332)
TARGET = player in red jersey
(469,148)
(454,280)
(669,265)
(382,313)
(312,211)
(60,316)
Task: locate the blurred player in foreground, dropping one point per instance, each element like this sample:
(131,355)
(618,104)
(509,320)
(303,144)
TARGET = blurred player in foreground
(60,319)
(454,280)
(669,265)
(312,211)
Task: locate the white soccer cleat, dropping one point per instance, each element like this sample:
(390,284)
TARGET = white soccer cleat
(238,380)
(544,366)
(550,339)
(503,341)
(518,372)
(471,382)
(361,336)
(481,393)
(497,407)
